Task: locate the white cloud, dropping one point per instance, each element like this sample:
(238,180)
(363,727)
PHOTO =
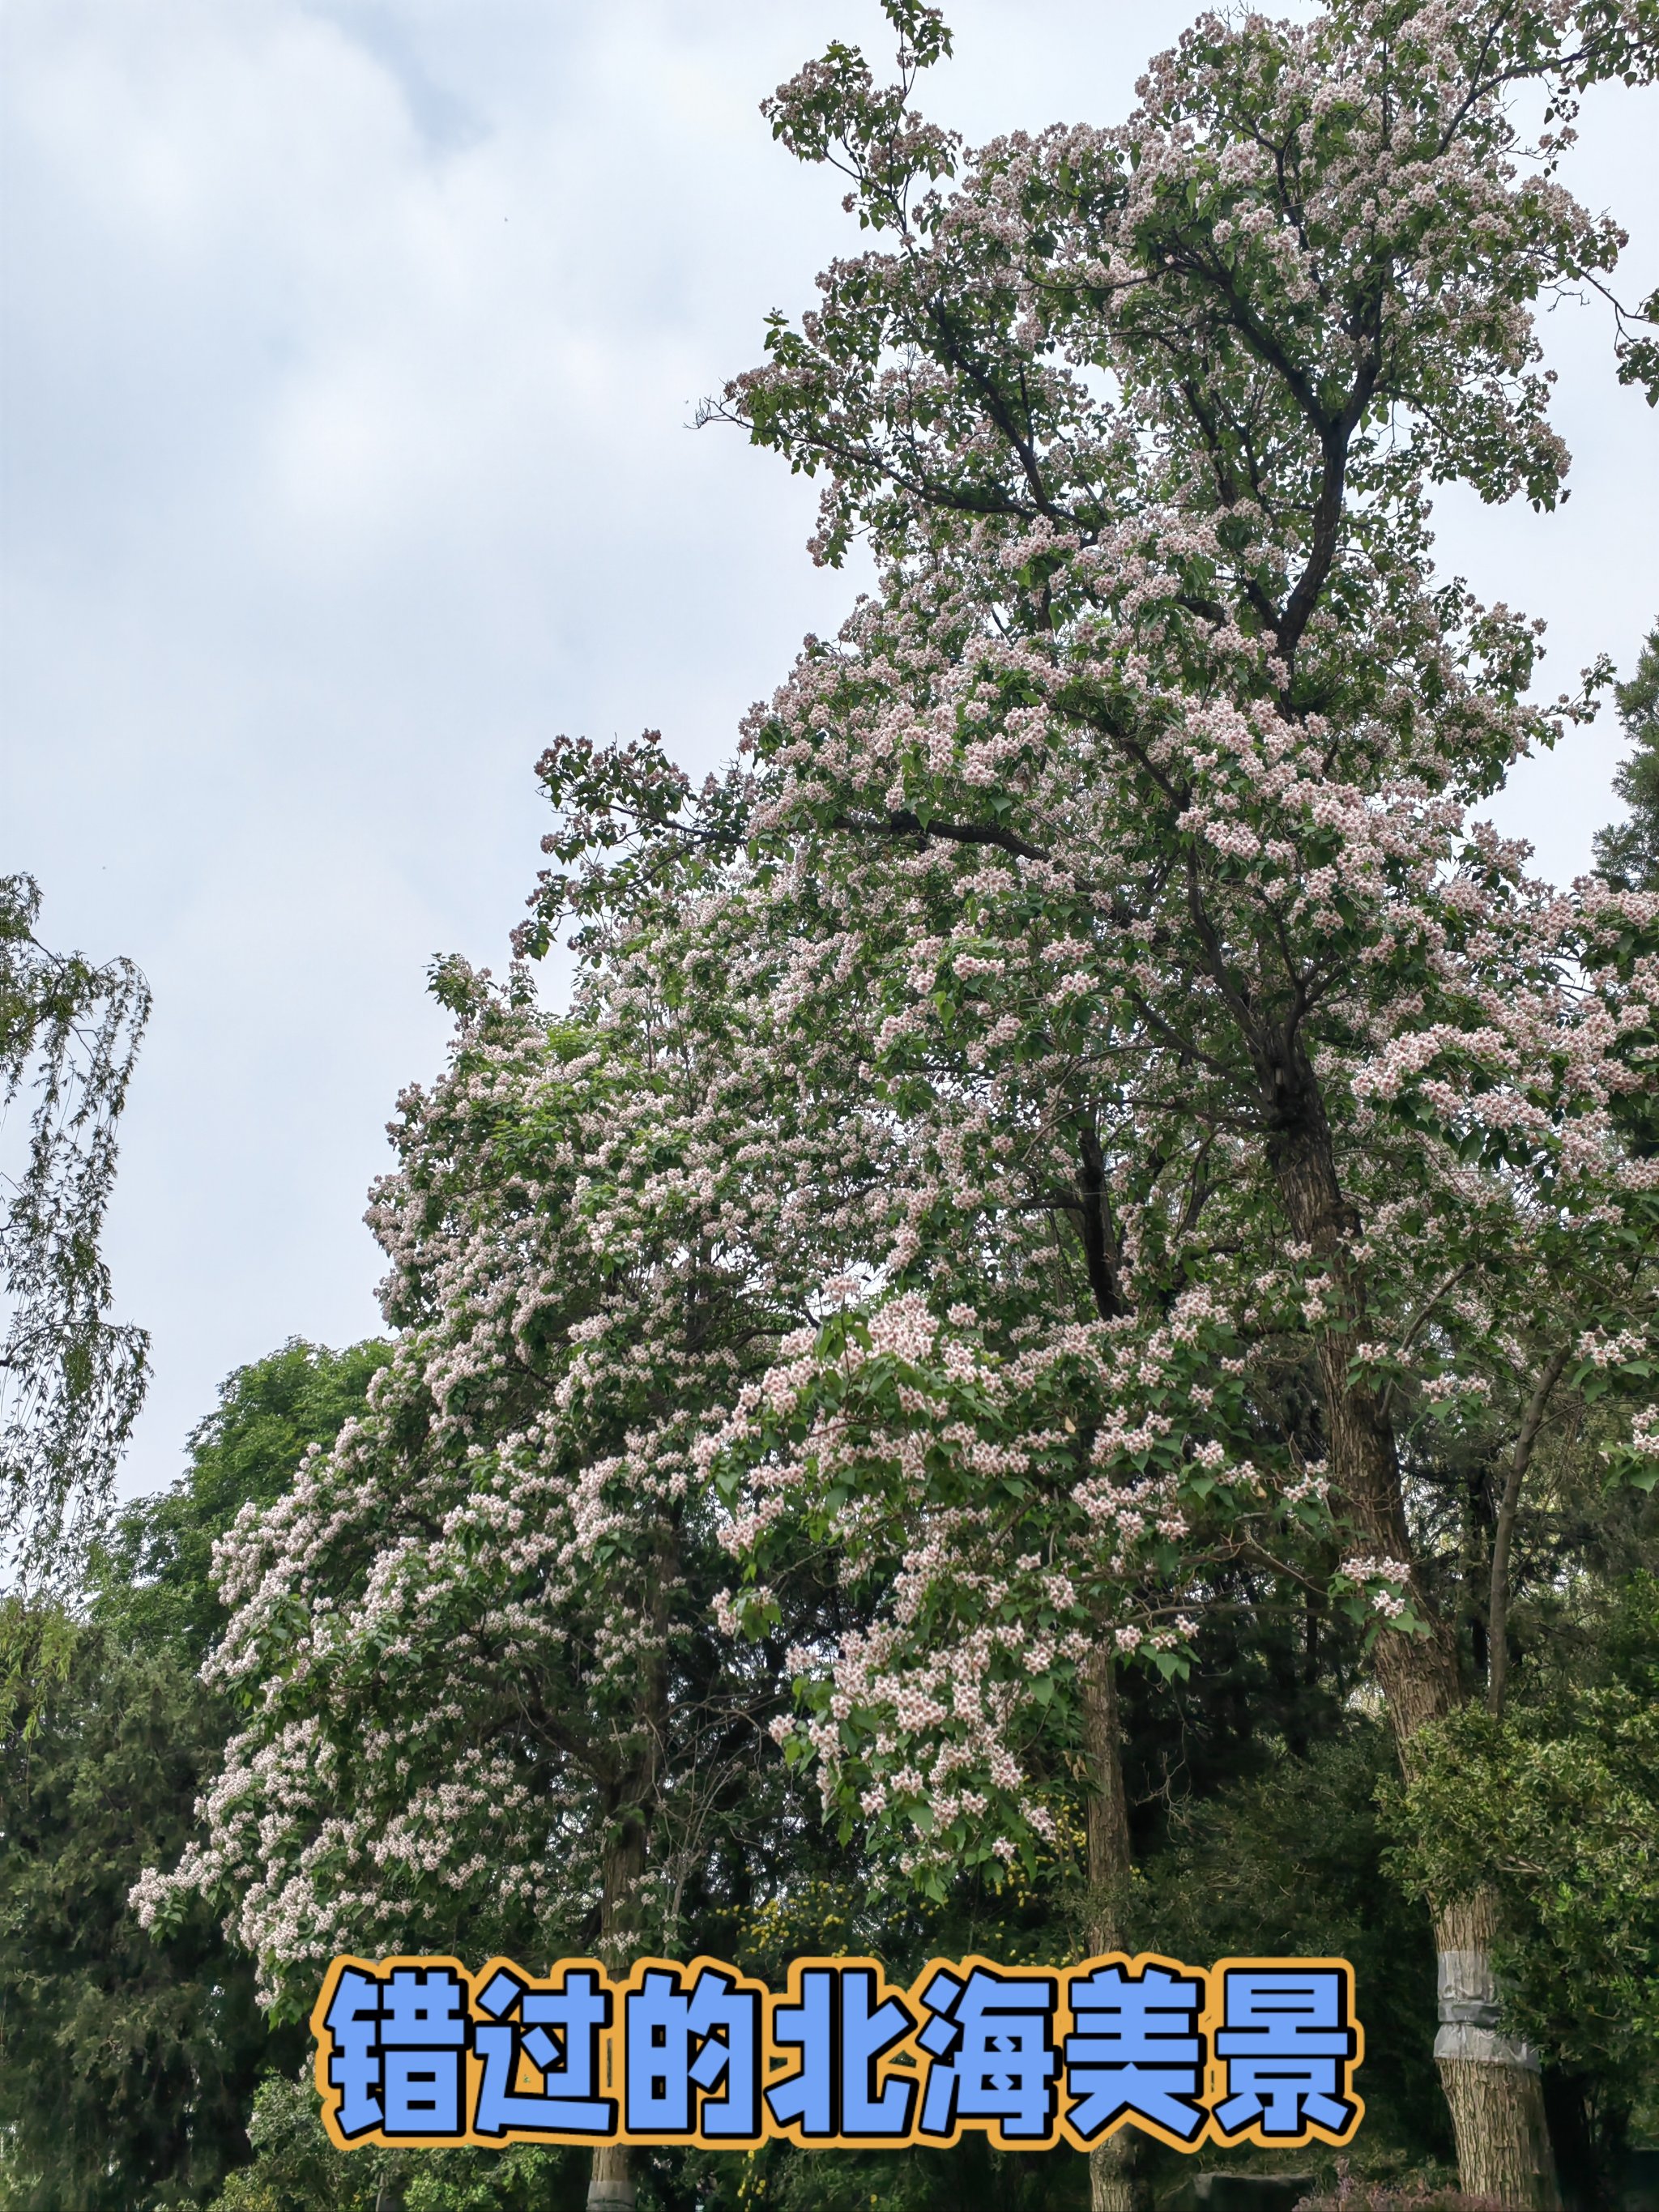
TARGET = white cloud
(348,354)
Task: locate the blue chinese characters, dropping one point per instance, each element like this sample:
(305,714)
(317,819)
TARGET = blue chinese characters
(990,2039)
(398,2060)
(839,2027)
(1287,2043)
(418,2051)
(558,2030)
(684,2042)
(1136,2052)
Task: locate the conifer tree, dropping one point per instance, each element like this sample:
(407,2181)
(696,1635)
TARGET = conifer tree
(128,2067)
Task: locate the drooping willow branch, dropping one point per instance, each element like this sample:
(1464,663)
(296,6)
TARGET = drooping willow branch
(71,1380)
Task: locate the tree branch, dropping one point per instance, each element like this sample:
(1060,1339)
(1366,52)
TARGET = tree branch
(1497,1603)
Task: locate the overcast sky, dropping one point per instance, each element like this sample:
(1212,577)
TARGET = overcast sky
(349,354)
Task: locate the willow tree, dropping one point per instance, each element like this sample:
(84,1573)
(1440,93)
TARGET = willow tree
(71,1380)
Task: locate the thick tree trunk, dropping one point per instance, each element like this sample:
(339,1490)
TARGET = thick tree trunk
(1110,1863)
(1491,2081)
(612,2185)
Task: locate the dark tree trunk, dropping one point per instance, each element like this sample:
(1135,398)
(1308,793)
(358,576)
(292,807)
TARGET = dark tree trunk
(629,1801)
(1111,1862)
(393,2189)
(1492,2082)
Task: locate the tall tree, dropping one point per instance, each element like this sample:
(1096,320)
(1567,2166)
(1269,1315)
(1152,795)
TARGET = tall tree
(1148,764)
(127,2067)
(1553,1805)
(481,1626)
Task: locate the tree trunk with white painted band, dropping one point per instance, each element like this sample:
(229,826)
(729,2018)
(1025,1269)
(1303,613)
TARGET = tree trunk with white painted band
(1495,2097)
(1492,2080)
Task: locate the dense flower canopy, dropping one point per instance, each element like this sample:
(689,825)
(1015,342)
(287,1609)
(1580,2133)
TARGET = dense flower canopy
(475,1636)
(1128,824)
(1047,1148)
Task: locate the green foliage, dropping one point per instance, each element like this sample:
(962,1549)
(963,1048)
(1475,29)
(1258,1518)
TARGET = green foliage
(297,2169)
(127,2065)
(1627,853)
(1290,1863)
(153,1575)
(971,2177)
(71,1380)
(1556,1809)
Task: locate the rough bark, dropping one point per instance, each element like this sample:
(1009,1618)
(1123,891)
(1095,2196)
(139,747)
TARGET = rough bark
(1110,1863)
(611,2185)
(1480,1516)
(1492,2082)
(1495,2097)
(611,2188)
(1498,2116)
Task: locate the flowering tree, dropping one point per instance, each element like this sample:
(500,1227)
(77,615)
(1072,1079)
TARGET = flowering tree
(1134,807)
(1069,1115)
(1627,852)
(486,1705)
